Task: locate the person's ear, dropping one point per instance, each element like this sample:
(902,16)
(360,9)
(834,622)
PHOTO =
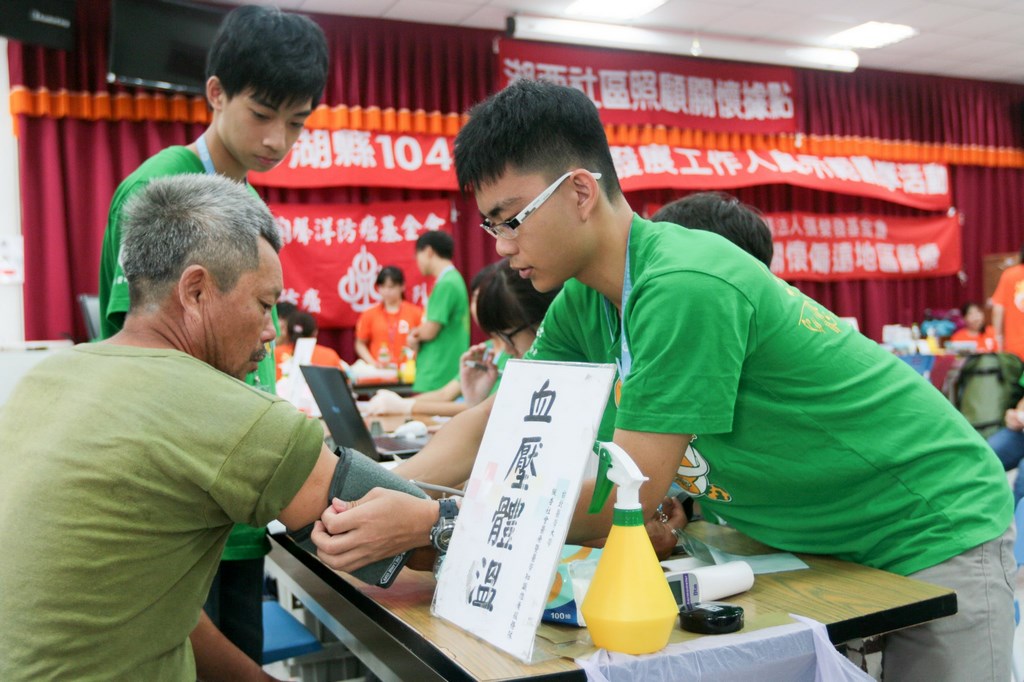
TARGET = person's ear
(193,289)
(215,94)
(587,194)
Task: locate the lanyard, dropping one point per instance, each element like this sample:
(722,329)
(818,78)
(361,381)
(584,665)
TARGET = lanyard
(204,155)
(625,360)
(443,273)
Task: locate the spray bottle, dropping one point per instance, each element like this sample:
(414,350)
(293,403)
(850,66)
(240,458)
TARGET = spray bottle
(628,606)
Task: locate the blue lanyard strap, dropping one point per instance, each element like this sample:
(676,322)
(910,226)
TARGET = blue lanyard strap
(625,360)
(204,155)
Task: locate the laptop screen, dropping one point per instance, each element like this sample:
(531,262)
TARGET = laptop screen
(337,407)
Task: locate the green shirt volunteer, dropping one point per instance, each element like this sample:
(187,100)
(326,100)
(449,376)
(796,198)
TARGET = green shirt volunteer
(809,436)
(437,362)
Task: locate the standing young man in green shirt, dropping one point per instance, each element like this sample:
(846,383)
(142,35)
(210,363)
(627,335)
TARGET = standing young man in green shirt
(443,336)
(266,72)
(760,403)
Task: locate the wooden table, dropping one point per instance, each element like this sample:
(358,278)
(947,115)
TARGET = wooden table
(395,636)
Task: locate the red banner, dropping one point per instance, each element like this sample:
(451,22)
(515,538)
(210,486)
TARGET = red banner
(323,158)
(818,247)
(645,88)
(359,158)
(656,166)
(332,253)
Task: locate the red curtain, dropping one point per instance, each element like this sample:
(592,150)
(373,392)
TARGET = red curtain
(70,168)
(900,106)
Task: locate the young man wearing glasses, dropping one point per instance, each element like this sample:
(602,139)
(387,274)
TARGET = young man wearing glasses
(760,403)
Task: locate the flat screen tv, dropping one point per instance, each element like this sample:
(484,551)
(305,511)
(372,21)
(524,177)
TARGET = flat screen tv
(50,23)
(161,44)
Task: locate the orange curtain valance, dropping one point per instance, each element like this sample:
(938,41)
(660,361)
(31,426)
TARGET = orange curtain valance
(145,106)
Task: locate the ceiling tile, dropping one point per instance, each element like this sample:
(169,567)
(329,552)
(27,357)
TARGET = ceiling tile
(687,14)
(357,8)
(931,16)
(490,17)
(430,11)
(752,23)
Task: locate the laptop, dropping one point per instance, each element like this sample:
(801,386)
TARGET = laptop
(333,396)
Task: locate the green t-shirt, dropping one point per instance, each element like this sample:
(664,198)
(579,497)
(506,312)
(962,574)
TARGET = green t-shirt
(245,542)
(123,471)
(810,437)
(437,362)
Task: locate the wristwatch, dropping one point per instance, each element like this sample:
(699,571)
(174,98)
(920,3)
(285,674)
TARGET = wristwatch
(441,533)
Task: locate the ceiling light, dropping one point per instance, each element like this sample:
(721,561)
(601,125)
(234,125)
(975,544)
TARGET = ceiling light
(613,9)
(872,34)
(574,32)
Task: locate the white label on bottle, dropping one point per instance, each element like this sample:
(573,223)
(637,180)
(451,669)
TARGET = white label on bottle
(691,589)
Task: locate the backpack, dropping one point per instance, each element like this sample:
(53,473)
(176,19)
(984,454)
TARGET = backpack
(984,387)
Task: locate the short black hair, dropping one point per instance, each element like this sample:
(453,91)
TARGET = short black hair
(280,56)
(725,215)
(441,242)
(301,325)
(967,305)
(390,272)
(507,301)
(285,309)
(533,127)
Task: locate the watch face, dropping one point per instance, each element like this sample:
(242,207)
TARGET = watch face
(444,538)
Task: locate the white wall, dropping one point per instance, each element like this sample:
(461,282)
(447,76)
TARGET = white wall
(12,314)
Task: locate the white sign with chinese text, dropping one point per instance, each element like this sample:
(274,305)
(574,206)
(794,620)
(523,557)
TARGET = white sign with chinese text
(520,500)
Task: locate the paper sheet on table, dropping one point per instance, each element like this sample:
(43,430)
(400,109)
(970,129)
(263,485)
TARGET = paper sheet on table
(775,562)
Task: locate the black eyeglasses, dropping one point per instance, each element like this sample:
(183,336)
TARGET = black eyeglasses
(506,337)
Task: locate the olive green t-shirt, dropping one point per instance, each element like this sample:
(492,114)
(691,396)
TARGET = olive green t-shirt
(437,362)
(244,542)
(123,472)
(810,437)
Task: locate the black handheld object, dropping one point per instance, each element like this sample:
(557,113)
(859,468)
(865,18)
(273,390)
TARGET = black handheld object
(711,618)
(355,475)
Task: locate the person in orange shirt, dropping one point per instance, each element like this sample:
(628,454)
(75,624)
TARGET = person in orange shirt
(387,324)
(1008,309)
(974,329)
(302,325)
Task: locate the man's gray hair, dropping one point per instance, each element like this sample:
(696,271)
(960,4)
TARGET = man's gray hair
(192,219)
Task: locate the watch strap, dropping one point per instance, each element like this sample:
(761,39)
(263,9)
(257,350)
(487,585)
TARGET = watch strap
(449,508)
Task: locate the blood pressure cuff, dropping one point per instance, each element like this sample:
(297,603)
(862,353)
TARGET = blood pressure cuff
(354,476)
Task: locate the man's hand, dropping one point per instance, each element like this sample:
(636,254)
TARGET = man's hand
(388,402)
(1014,421)
(660,527)
(383,523)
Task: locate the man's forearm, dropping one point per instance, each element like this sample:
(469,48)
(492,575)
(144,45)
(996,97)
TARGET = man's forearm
(997,324)
(449,456)
(363,352)
(427,331)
